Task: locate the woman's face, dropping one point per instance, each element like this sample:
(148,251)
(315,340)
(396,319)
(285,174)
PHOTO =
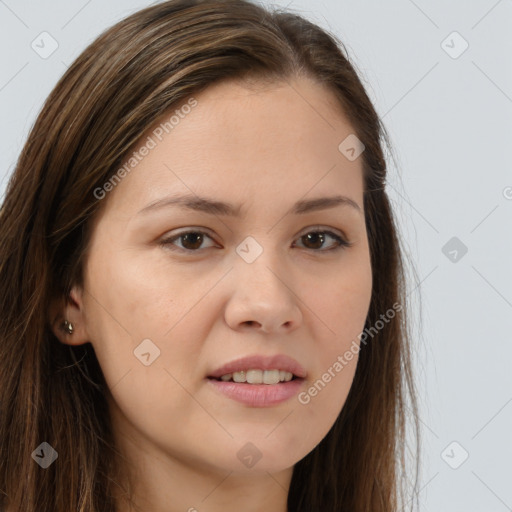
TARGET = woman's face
(164,312)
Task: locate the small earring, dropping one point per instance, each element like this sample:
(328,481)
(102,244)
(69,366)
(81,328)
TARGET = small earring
(67,327)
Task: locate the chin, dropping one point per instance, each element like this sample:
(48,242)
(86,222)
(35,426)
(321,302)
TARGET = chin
(261,454)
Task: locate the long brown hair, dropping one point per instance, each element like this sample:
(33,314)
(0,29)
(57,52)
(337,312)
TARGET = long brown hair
(115,90)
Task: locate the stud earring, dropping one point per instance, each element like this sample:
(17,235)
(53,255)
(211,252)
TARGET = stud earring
(67,327)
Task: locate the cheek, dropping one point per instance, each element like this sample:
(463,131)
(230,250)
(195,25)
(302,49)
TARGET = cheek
(134,314)
(130,299)
(340,308)
(337,355)
(340,314)
(135,309)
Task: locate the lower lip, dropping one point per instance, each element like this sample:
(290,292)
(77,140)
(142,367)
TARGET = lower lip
(258,395)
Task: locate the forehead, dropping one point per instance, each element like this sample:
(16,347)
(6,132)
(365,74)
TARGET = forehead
(282,112)
(241,142)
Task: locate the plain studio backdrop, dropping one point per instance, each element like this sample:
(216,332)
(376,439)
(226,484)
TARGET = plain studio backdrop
(440,76)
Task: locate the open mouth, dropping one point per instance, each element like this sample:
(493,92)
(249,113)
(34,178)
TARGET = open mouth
(255,376)
(257,388)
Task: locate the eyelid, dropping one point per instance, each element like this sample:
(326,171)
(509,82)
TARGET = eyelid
(320,227)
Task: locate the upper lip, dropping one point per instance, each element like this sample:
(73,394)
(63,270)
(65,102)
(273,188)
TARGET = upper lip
(258,362)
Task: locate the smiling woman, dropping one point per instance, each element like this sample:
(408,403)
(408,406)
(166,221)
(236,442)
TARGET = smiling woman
(188,293)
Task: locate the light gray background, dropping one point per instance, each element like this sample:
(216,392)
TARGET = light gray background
(450,120)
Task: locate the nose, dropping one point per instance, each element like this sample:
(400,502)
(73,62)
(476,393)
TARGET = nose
(262,299)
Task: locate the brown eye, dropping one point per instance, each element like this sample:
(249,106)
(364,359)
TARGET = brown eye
(314,240)
(190,241)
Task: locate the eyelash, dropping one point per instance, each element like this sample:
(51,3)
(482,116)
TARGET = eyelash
(168,242)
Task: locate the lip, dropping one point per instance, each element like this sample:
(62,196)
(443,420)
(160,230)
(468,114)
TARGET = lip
(258,395)
(258,362)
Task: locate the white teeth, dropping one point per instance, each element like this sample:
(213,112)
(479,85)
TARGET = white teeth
(239,377)
(259,376)
(271,377)
(286,376)
(254,376)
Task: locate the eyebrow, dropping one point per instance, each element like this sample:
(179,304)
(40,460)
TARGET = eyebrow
(214,207)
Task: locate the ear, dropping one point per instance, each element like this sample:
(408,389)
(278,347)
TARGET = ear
(69,308)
